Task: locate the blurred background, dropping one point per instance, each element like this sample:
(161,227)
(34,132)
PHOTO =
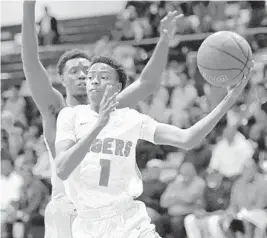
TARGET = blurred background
(185,191)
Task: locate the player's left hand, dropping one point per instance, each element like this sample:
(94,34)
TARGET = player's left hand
(169,23)
(107,105)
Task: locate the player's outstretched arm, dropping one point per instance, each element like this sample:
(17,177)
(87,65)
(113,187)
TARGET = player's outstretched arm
(150,78)
(69,152)
(48,99)
(191,137)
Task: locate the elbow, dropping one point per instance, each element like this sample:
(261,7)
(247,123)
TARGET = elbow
(62,174)
(60,171)
(190,140)
(184,145)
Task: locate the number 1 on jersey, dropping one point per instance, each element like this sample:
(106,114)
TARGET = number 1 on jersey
(104,173)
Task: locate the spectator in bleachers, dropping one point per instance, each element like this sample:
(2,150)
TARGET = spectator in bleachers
(217,193)
(183,196)
(201,20)
(16,104)
(32,194)
(231,153)
(249,193)
(42,167)
(153,189)
(11,183)
(49,33)
(199,156)
(131,27)
(257,14)
(125,54)
(13,133)
(28,157)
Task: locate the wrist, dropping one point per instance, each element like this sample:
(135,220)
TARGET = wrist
(99,125)
(164,38)
(232,96)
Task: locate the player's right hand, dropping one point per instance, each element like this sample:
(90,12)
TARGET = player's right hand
(237,89)
(107,105)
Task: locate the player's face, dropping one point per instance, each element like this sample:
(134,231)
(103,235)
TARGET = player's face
(99,77)
(74,76)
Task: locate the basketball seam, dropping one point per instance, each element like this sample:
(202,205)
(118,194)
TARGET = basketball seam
(204,67)
(214,47)
(239,46)
(242,69)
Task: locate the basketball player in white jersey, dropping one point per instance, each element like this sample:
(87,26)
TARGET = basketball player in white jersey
(73,67)
(95,154)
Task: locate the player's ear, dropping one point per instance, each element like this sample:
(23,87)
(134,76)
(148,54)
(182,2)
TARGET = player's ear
(119,87)
(63,81)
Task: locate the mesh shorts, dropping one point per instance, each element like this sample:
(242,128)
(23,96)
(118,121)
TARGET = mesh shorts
(127,219)
(59,215)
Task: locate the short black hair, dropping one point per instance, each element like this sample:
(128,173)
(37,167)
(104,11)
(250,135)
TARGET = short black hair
(115,65)
(68,55)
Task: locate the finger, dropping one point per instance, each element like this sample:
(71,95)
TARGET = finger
(113,106)
(111,100)
(180,16)
(250,64)
(171,15)
(164,19)
(109,93)
(106,93)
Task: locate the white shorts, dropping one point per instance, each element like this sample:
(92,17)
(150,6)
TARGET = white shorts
(59,216)
(127,219)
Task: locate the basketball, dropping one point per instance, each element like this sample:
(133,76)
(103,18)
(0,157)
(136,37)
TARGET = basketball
(224,58)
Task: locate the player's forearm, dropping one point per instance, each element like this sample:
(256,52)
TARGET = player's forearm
(46,98)
(152,72)
(67,161)
(29,38)
(197,132)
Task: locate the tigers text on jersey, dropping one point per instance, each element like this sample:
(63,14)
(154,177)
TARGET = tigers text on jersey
(108,171)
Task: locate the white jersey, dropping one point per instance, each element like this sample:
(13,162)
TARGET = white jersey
(108,172)
(58,189)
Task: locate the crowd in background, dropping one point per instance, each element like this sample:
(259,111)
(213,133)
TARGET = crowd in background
(141,20)
(187,193)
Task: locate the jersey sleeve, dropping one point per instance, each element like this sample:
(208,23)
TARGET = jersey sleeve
(148,128)
(66,125)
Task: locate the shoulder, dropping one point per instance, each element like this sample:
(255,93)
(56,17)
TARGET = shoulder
(135,115)
(71,111)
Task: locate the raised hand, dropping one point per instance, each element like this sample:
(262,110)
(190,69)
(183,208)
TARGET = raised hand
(107,105)
(237,89)
(169,23)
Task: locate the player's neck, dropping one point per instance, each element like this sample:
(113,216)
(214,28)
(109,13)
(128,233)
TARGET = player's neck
(95,107)
(76,100)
